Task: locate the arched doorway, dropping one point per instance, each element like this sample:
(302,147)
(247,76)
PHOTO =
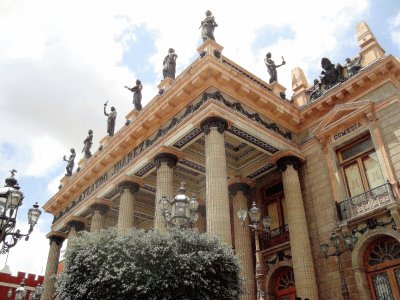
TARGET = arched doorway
(284,286)
(382,265)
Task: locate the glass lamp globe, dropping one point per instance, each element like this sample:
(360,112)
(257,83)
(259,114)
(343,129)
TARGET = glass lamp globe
(254,213)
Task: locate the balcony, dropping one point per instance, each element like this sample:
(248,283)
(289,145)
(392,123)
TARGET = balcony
(274,238)
(365,203)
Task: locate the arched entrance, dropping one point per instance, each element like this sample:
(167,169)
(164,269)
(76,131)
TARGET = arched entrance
(284,286)
(382,265)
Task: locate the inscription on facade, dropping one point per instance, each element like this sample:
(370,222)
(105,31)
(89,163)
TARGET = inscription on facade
(342,133)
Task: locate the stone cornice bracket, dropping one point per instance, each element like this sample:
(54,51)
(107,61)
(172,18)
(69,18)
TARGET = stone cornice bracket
(57,237)
(169,158)
(237,187)
(102,208)
(133,187)
(283,162)
(78,225)
(218,122)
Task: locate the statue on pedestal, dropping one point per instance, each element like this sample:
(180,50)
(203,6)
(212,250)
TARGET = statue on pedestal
(169,64)
(353,66)
(111,119)
(271,67)
(70,165)
(207,27)
(137,94)
(316,91)
(20,292)
(88,144)
(331,74)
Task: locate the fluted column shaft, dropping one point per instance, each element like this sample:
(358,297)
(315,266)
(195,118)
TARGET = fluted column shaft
(126,214)
(165,162)
(243,241)
(74,228)
(98,217)
(303,265)
(51,267)
(217,197)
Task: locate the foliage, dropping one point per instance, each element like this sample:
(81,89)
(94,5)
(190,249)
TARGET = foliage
(148,265)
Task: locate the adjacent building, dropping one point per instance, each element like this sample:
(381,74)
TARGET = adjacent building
(326,160)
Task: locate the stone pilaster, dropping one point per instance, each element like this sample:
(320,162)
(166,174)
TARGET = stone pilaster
(303,265)
(98,216)
(165,162)
(126,214)
(217,197)
(242,238)
(56,242)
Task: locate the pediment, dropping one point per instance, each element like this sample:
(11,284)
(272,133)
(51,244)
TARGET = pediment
(341,114)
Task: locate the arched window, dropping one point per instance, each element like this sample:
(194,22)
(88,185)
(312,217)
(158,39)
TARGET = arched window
(382,263)
(284,284)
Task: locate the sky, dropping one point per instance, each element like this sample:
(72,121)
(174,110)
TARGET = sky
(61,60)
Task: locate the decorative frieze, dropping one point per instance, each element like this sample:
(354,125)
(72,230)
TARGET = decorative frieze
(261,170)
(255,141)
(145,169)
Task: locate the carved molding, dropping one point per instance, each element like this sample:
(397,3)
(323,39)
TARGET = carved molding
(133,187)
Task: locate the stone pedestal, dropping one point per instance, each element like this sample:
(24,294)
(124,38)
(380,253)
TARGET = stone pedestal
(165,162)
(64,181)
(242,238)
(303,265)
(299,87)
(132,115)
(105,141)
(165,84)
(370,48)
(278,89)
(210,47)
(56,242)
(217,197)
(82,163)
(126,215)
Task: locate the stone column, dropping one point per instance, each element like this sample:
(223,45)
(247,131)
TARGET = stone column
(243,239)
(303,265)
(74,228)
(56,242)
(98,217)
(165,162)
(201,224)
(217,197)
(126,214)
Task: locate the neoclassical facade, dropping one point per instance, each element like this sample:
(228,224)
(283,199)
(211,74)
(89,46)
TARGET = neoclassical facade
(326,160)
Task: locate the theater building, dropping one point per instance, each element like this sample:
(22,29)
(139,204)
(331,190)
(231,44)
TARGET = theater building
(326,160)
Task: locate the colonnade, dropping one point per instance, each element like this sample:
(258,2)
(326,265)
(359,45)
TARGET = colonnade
(218,221)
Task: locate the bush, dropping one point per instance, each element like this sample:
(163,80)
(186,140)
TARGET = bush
(147,265)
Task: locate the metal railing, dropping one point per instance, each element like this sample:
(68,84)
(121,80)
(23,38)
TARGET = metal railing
(274,237)
(365,202)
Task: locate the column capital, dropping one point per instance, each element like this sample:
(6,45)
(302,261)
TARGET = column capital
(78,225)
(169,158)
(102,208)
(237,187)
(218,122)
(57,237)
(283,162)
(132,186)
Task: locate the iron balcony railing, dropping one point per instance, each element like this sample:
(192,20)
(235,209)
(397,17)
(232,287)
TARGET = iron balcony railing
(365,202)
(274,237)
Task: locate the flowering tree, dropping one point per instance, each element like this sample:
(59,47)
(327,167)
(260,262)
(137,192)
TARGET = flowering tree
(147,265)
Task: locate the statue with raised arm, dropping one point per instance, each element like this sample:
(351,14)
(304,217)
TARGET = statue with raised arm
(207,27)
(353,66)
(88,144)
(271,67)
(111,119)
(137,94)
(169,64)
(71,162)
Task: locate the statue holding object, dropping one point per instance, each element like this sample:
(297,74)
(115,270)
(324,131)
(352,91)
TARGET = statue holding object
(169,64)
(137,94)
(71,161)
(207,27)
(271,67)
(111,119)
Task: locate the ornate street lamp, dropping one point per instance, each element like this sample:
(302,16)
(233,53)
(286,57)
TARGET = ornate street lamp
(181,211)
(256,227)
(10,200)
(336,241)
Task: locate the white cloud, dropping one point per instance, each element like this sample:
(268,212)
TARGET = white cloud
(395,30)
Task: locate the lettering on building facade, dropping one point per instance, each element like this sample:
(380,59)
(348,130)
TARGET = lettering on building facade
(342,133)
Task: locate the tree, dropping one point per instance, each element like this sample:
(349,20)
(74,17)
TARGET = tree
(147,265)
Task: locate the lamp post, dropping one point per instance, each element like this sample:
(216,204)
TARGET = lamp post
(181,211)
(10,200)
(335,241)
(255,226)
